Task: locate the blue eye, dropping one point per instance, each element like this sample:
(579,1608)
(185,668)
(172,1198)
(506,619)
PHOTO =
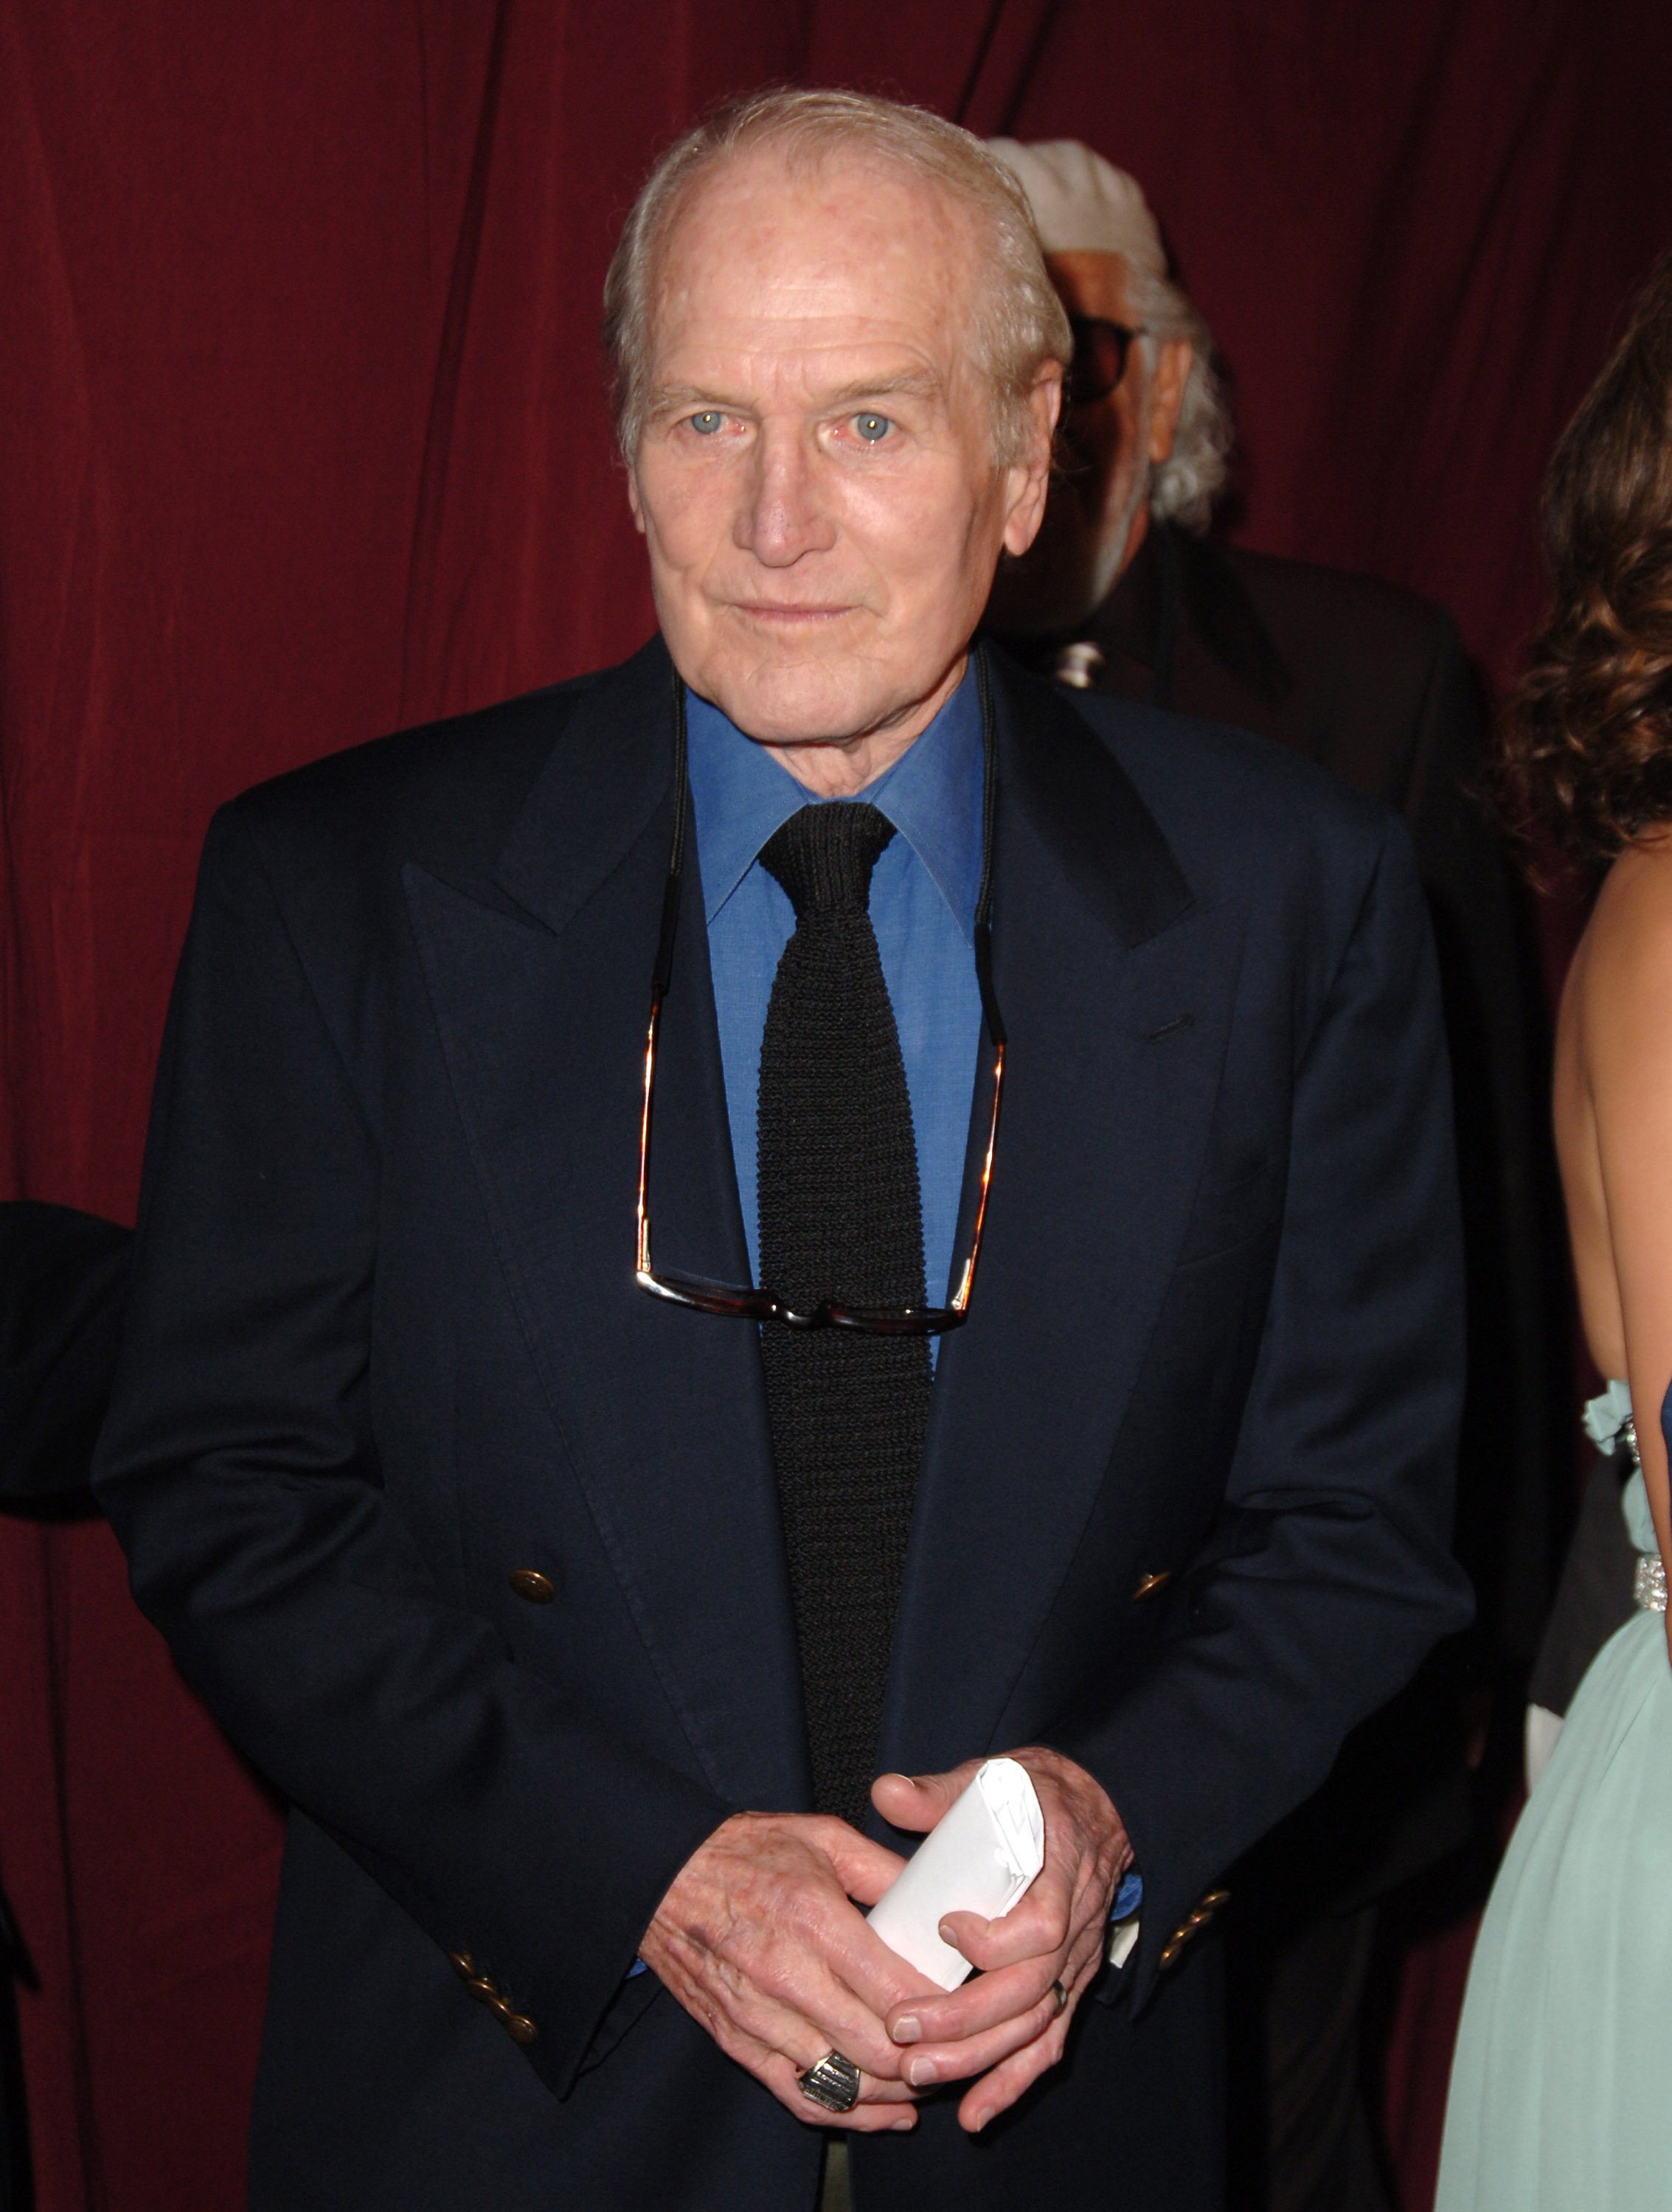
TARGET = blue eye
(706,422)
(871,427)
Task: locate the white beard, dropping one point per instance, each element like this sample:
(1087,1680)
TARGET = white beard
(1116,536)
(1074,564)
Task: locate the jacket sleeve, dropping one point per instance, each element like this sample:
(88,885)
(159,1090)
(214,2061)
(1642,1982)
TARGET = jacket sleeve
(239,1469)
(1329,1576)
(63,1284)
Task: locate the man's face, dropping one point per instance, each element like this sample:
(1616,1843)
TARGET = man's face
(1098,512)
(816,481)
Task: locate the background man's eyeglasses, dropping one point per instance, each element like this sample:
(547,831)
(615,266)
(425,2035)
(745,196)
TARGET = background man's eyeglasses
(1100,358)
(758,1305)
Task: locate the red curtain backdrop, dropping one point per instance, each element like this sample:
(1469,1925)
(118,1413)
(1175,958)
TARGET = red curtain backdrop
(302,438)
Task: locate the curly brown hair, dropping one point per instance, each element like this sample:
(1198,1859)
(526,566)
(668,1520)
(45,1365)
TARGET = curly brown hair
(1585,761)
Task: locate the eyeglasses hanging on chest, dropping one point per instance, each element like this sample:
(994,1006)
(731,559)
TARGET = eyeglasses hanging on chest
(761,1305)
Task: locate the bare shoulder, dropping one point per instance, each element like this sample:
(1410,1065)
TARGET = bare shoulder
(1621,982)
(1613,1092)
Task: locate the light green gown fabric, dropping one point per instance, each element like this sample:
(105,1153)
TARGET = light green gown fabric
(1561,2087)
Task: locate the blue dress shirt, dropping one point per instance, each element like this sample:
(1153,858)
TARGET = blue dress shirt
(923,893)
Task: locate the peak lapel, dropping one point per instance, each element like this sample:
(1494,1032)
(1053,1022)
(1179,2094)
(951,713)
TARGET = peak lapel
(1099,952)
(541,1012)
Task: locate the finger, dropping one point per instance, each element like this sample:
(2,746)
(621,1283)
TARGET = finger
(787,1997)
(870,2116)
(992,2001)
(928,2065)
(866,1885)
(1085,1959)
(879,1978)
(762,2026)
(816,1930)
(1013,2077)
(815,2014)
(1041,1922)
(801,2044)
(865,1869)
(875,2112)
(916,1801)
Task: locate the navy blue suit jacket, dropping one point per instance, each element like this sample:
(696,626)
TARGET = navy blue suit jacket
(386,1350)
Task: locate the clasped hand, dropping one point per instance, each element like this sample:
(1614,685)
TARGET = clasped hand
(761,1938)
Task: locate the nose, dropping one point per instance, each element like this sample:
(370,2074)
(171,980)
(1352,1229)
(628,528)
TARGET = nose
(781,515)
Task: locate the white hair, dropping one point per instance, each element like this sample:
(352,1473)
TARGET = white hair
(1184,487)
(1083,204)
(1018,320)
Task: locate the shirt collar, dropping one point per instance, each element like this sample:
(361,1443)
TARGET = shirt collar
(741,795)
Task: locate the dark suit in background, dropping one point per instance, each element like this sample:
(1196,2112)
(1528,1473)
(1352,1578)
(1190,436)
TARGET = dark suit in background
(63,1279)
(1182,1509)
(1372,683)
(63,1284)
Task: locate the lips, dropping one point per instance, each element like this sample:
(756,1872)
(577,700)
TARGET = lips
(769,611)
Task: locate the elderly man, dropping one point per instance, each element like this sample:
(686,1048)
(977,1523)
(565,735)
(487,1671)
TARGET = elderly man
(609,1623)
(1121,592)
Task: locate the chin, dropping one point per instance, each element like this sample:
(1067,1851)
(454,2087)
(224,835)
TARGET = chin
(802,703)
(807,714)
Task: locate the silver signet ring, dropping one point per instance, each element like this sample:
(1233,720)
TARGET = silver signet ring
(833,2084)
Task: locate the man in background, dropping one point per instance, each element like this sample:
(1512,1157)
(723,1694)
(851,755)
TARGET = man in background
(1123,593)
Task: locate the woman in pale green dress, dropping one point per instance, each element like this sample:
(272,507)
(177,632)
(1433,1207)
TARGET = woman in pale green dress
(1561,2087)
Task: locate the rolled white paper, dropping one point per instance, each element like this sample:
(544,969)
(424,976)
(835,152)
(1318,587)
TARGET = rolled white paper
(982,1857)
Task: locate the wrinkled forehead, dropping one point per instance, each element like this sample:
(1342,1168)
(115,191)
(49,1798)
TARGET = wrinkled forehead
(816,235)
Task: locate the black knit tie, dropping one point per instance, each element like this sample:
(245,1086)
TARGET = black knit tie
(841,1219)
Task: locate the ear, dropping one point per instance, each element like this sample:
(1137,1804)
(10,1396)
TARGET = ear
(633,502)
(1028,480)
(1172,373)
